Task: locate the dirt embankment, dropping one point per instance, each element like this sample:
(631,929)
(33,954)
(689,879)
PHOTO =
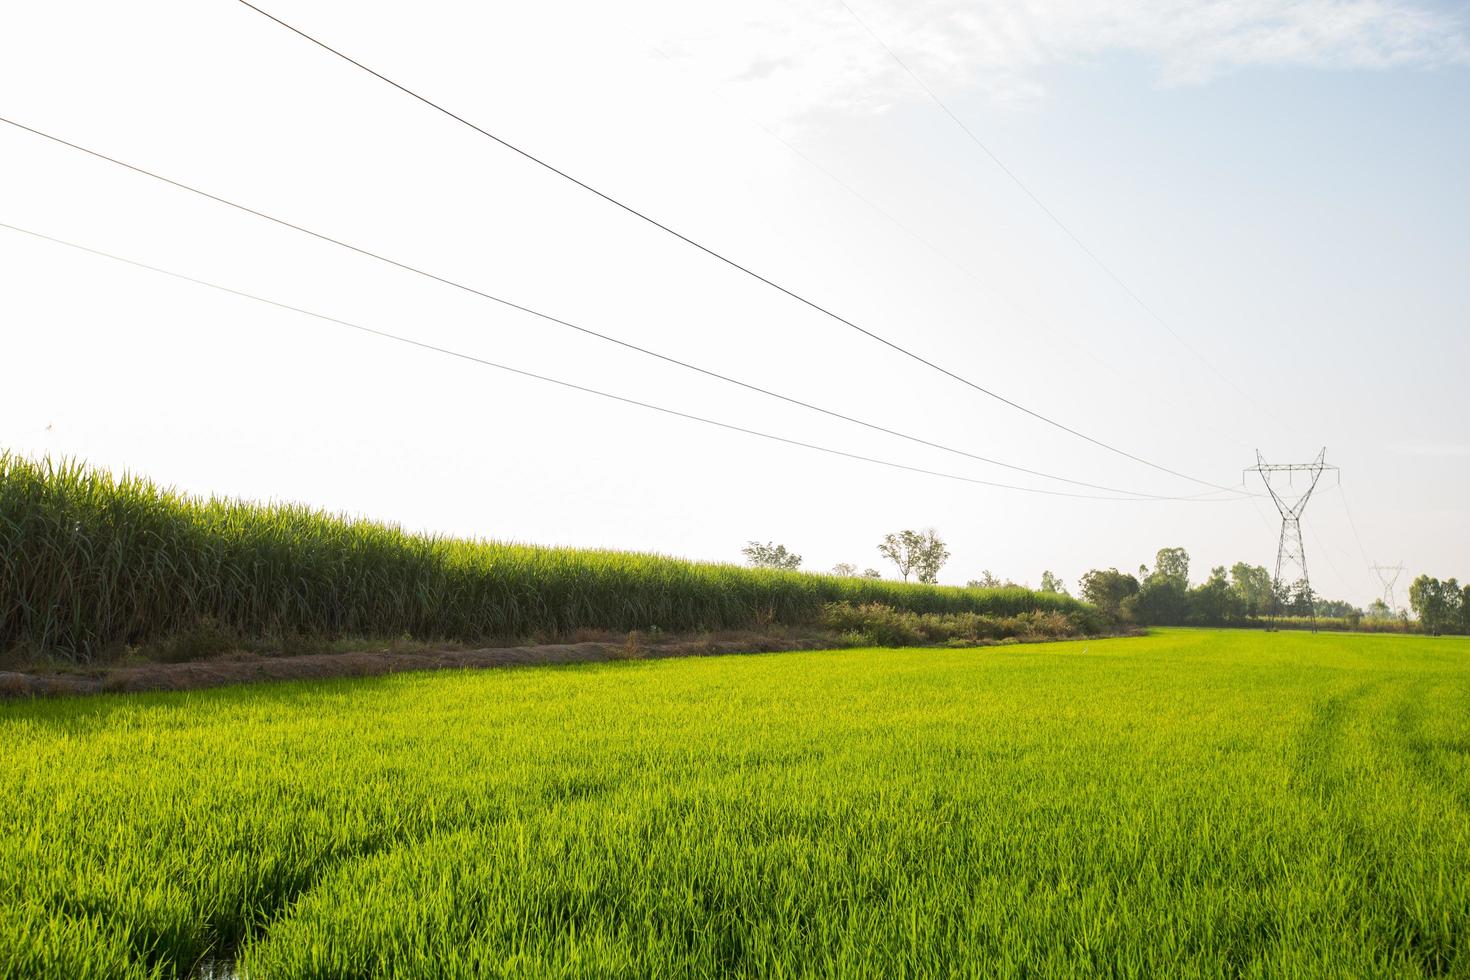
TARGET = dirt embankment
(244,668)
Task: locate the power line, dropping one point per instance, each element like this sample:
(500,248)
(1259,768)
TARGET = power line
(608,338)
(891,219)
(1327,557)
(731,262)
(1265,521)
(1352,523)
(925,242)
(557,381)
(1015,178)
(1373,566)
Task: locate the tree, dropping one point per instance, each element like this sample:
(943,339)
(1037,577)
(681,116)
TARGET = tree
(990,581)
(1163,595)
(918,553)
(1426,599)
(1053,583)
(770,555)
(1339,609)
(1214,603)
(1298,600)
(1252,587)
(1436,603)
(1161,601)
(872,573)
(1106,589)
(846,569)
(1378,609)
(1172,564)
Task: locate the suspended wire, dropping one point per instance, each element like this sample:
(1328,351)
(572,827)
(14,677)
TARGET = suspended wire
(1025,189)
(888,216)
(1327,557)
(1370,563)
(608,338)
(1265,521)
(734,264)
(561,383)
(1353,524)
(925,242)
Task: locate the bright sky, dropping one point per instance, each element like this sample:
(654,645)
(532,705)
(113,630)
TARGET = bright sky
(1282,182)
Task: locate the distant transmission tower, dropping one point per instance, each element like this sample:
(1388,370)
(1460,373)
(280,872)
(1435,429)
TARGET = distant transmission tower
(1291,553)
(1389,576)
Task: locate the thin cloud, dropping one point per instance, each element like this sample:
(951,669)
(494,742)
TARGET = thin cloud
(798,59)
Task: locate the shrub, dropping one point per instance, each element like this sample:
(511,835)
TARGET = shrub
(878,625)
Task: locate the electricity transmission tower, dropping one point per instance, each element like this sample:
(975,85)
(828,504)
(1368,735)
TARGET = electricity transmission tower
(1389,576)
(1291,553)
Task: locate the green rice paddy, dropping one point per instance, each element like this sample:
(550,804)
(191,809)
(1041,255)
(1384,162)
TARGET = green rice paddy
(1191,803)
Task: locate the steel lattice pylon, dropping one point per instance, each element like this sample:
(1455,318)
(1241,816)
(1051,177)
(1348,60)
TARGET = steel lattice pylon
(1291,553)
(1389,576)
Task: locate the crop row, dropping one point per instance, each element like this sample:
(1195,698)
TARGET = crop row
(89,562)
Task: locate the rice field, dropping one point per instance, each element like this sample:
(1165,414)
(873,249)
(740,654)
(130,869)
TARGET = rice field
(1191,803)
(91,563)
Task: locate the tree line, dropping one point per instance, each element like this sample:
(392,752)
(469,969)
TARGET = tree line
(1244,593)
(917,554)
(1442,607)
(1163,595)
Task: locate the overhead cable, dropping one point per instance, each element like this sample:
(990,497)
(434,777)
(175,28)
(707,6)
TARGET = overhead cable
(607,338)
(399,338)
(826,311)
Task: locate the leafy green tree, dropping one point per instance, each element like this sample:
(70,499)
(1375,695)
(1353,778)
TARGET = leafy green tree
(1053,584)
(1436,603)
(1106,589)
(770,555)
(872,573)
(1453,605)
(918,553)
(1161,601)
(1163,596)
(1214,602)
(1252,587)
(1298,600)
(1378,609)
(1172,564)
